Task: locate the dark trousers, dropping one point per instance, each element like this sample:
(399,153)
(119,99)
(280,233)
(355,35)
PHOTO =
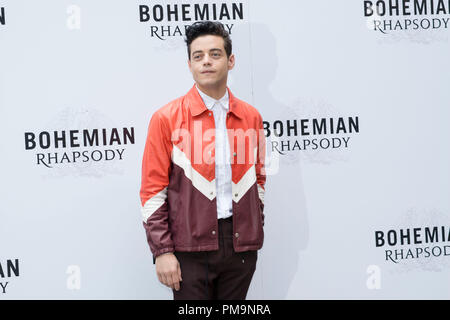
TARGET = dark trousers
(216,275)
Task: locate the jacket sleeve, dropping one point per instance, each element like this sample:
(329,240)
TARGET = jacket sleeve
(260,164)
(156,168)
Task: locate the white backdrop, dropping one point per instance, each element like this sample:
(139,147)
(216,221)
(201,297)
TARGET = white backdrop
(70,221)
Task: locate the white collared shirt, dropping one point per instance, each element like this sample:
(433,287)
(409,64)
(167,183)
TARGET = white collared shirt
(219,109)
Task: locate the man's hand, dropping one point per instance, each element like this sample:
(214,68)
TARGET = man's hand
(168,270)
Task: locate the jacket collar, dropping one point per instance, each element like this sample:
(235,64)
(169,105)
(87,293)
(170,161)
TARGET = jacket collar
(197,106)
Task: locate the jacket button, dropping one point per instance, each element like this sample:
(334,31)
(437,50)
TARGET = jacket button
(213,232)
(236,235)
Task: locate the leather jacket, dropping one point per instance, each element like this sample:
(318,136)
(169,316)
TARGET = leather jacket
(178,191)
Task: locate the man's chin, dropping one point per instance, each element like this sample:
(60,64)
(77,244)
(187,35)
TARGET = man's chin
(208,84)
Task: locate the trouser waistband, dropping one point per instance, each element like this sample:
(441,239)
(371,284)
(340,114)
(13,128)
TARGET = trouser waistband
(225,227)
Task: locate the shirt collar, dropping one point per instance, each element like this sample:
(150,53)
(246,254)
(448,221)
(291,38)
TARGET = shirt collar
(210,101)
(197,106)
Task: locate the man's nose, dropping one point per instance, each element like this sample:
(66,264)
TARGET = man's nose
(207,59)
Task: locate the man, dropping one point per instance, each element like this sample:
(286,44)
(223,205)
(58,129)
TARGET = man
(203,178)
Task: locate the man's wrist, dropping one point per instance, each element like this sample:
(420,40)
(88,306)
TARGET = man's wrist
(163,254)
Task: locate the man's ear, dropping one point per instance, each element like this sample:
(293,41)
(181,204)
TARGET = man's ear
(189,64)
(231,62)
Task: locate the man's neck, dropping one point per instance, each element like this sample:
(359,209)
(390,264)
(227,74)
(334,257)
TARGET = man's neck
(216,93)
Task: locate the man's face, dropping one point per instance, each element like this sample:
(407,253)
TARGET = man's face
(209,63)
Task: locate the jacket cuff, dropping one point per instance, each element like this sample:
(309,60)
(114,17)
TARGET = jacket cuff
(161,252)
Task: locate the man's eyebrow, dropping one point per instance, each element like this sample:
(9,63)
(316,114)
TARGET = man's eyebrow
(200,51)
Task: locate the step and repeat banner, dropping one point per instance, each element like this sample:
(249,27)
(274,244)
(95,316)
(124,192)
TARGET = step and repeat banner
(355,100)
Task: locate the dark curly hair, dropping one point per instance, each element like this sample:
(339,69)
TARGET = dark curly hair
(202,28)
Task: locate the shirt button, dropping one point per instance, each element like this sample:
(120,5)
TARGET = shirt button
(234,154)
(211,193)
(236,235)
(235,194)
(210,113)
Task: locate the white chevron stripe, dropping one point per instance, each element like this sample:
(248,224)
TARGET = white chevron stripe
(240,188)
(261,192)
(246,182)
(153,204)
(207,188)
